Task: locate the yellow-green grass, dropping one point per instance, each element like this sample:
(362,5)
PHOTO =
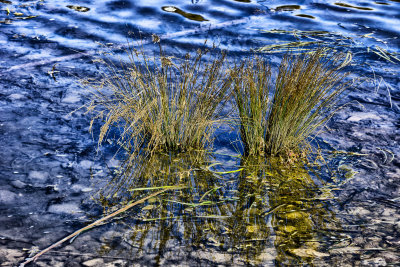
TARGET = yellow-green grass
(167,104)
(163,104)
(280,117)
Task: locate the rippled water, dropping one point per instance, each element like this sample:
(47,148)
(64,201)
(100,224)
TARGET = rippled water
(50,173)
(58,28)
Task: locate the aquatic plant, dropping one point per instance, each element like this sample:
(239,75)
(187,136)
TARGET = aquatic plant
(167,104)
(161,170)
(162,104)
(251,92)
(281,117)
(267,194)
(288,195)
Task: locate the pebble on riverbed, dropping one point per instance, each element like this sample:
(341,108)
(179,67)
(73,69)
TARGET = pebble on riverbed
(65,208)
(7,197)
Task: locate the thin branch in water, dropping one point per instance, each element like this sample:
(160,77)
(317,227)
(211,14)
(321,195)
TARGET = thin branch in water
(94,224)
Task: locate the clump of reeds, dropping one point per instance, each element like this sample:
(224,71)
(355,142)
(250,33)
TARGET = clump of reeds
(280,117)
(166,104)
(163,104)
(251,92)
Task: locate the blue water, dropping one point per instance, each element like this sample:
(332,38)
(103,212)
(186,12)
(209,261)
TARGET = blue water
(50,170)
(57,28)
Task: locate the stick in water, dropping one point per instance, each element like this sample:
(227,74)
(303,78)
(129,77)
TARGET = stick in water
(28,260)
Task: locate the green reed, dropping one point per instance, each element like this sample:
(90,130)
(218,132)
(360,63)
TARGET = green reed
(163,104)
(281,116)
(167,104)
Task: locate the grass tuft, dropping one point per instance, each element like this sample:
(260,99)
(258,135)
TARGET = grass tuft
(166,104)
(280,117)
(163,104)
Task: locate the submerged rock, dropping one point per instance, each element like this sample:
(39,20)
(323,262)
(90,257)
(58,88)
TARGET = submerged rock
(10,257)
(93,262)
(18,184)
(116,263)
(78,188)
(38,175)
(374,262)
(65,208)
(86,164)
(7,197)
(359,116)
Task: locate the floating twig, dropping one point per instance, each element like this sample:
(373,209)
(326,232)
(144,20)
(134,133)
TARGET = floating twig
(96,223)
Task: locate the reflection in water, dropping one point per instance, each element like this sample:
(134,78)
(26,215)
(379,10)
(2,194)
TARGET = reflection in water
(295,211)
(187,15)
(305,16)
(79,8)
(265,210)
(355,7)
(287,8)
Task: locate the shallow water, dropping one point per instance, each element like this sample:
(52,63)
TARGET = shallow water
(50,173)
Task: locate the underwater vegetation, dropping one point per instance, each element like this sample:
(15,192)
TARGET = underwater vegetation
(268,204)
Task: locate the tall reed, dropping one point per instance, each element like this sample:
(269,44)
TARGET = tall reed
(163,104)
(251,92)
(280,117)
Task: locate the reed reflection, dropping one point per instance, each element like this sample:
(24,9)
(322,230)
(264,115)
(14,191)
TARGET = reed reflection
(268,213)
(297,213)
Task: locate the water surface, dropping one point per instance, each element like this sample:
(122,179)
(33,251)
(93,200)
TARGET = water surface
(53,181)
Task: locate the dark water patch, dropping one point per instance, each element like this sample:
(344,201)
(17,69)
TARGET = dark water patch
(287,8)
(147,11)
(187,15)
(305,16)
(120,4)
(78,8)
(354,7)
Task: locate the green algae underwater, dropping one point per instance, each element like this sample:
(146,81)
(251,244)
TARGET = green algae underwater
(261,206)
